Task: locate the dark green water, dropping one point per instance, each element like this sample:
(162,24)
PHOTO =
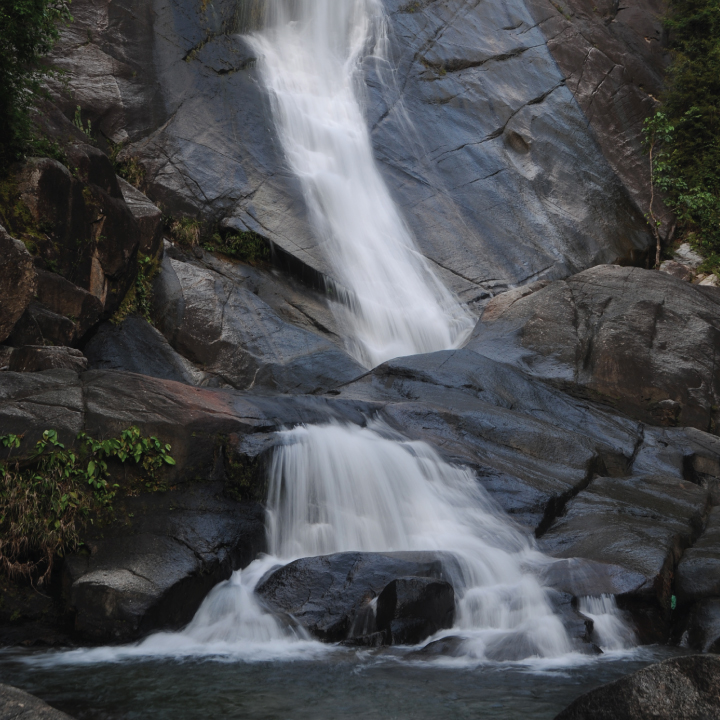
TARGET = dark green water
(343,684)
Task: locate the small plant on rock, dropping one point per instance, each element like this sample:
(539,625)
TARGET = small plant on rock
(47,497)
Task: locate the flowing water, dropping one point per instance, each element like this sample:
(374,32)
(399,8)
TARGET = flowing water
(337,488)
(310,55)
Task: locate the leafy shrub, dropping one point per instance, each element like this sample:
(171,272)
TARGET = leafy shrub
(685,134)
(29,31)
(47,498)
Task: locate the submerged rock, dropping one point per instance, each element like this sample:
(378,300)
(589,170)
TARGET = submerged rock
(685,688)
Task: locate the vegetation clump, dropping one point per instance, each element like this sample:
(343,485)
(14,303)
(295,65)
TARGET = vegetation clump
(139,297)
(128,168)
(683,137)
(30,29)
(47,498)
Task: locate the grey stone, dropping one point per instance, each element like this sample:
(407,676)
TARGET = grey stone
(638,340)
(687,688)
(698,573)
(678,270)
(330,595)
(686,255)
(36,358)
(226,329)
(17,282)
(15,704)
(703,626)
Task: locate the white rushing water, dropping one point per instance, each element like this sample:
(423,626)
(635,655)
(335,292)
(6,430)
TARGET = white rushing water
(336,488)
(310,55)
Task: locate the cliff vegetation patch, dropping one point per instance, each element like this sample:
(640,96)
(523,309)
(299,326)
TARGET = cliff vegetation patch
(683,137)
(48,495)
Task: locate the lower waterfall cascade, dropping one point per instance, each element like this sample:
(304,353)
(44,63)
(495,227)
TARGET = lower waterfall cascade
(337,488)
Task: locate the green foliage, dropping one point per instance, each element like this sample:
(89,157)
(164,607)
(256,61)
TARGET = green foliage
(78,123)
(128,168)
(29,31)
(139,297)
(185,231)
(246,246)
(47,498)
(685,134)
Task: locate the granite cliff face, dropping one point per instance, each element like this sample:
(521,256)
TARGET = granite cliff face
(510,137)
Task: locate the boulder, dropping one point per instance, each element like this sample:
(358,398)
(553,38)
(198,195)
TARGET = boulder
(136,346)
(411,609)
(226,329)
(148,216)
(16,704)
(153,570)
(36,358)
(17,282)
(687,688)
(678,270)
(641,524)
(698,573)
(40,326)
(702,627)
(639,340)
(331,596)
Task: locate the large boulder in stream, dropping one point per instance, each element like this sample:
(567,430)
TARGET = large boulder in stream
(685,688)
(364,598)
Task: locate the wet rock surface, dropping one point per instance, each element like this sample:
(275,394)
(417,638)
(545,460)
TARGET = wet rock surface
(494,184)
(226,329)
(687,688)
(36,358)
(154,567)
(330,596)
(698,573)
(639,340)
(15,704)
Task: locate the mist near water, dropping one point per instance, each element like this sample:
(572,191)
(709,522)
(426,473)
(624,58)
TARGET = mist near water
(310,60)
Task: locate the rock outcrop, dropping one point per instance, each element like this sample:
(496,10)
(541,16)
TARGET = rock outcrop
(687,688)
(17,282)
(494,180)
(641,341)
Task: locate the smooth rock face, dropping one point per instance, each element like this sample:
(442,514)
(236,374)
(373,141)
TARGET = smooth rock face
(36,358)
(330,595)
(16,704)
(226,329)
(639,340)
(154,574)
(614,59)
(136,346)
(687,688)
(698,573)
(500,178)
(17,281)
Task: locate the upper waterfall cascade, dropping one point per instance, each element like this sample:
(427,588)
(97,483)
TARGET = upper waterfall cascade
(310,59)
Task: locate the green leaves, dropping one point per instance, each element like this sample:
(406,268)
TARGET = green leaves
(46,498)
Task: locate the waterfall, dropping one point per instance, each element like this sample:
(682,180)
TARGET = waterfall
(310,57)
(336,488)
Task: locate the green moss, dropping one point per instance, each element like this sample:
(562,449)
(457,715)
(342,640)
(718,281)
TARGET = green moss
(245,478)
(246,246)
(16,217)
